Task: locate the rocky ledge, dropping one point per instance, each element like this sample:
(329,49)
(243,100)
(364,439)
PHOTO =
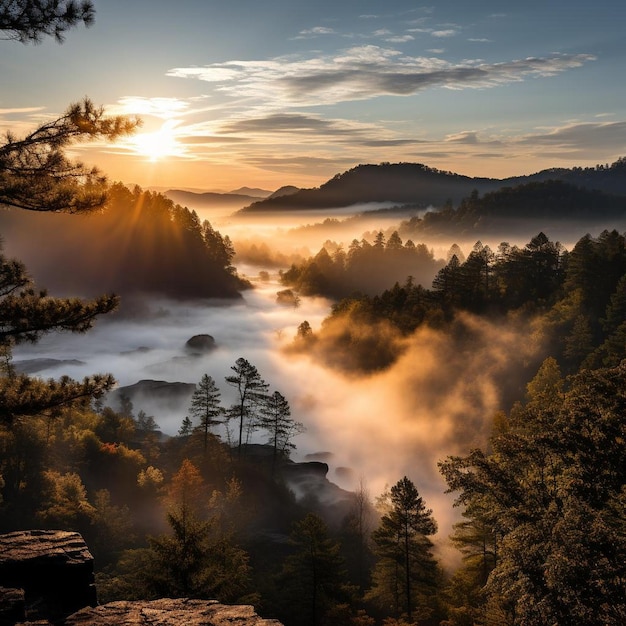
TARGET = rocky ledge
(168,612)
(53,568)
(46,577)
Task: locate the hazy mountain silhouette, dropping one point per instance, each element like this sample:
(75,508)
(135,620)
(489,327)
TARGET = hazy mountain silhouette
(213,199)
(286,190)
(255,192)
(418,184)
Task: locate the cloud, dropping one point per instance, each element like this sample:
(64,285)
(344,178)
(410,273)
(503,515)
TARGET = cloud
(479,40)
(164,108)
(582,136)
(400,38)
(468,136)
(316,31)
(365,72)
(21,110)
(294,123)
(450,32)
(209,139)
(386,143)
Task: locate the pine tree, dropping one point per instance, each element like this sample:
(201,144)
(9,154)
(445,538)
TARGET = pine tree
(205,405)
(29,20)
(280,426)
(251,390)
(26,315)
(406,571)
(35,173)
(312,577)
(552,488)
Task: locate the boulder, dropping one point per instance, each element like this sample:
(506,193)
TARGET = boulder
(199,344)
(168,612)
(53,568)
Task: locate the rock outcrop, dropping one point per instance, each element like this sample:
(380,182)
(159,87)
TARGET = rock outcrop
(53,568)
(168,612)
(46,577)
(199,344)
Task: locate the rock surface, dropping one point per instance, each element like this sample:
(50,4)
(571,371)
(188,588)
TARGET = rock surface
(200,344)
(53,567)
(46,577)
(168,612)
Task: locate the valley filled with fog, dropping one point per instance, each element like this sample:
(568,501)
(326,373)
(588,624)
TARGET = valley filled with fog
(437,399)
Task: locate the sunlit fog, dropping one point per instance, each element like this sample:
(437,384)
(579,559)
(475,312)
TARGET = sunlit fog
(438,399)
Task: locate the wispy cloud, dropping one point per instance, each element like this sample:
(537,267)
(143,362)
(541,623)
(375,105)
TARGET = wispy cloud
(399,38)
(295,123)
(316,31)
(163,108)
(449,32)
(581,137)
(365,72)
(19,111)
(470,137)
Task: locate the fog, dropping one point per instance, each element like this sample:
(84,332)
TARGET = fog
(438,399)
(435,401)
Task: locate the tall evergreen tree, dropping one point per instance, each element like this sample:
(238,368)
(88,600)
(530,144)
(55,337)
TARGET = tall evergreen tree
(312,577)
(251,390)
(280,426)
(205,405)
(406,570)
(552,488)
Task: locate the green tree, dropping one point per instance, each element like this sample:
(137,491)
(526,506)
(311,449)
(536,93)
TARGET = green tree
(25,316)
(205,406)
(406,570)
(67,506)
(251,390)
(186,427)
(552,488)
(312,577)
(35,173)
(31,20)
(280,426)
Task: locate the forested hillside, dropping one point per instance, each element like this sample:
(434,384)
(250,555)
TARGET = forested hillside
(415,183)
(139,242)
(577,297)
(535,203)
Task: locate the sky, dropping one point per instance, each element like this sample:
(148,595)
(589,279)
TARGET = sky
(272,93)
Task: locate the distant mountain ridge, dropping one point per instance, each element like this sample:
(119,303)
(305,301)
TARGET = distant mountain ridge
(211,199)
(418,184)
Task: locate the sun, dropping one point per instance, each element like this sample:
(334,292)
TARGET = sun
(157,145)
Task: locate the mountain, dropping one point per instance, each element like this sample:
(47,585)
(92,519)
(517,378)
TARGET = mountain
(539,204)
(286,190)
(418,184)
(255,192)
(211,199)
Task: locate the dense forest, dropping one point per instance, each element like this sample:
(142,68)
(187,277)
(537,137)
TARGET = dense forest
(576,297)
(365,267)
(544,202)
(210,517)
(139,242)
